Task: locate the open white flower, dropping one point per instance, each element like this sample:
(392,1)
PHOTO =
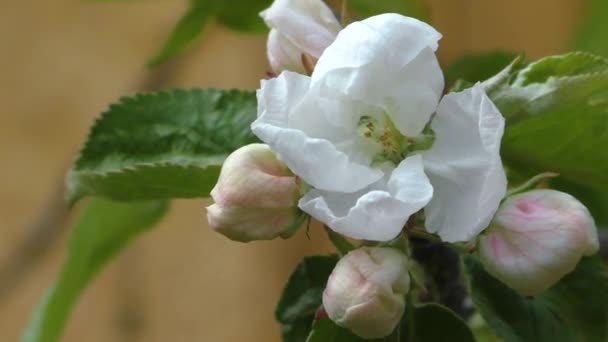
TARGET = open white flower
(354,132)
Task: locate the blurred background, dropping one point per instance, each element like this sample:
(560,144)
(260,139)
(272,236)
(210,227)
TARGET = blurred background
(65,61)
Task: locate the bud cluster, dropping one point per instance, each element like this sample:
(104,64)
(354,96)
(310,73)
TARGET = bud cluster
(534,239)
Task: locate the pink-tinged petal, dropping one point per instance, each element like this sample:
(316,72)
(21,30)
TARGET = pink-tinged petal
(252,224)
(366,290)
(252,177)
(536,238)
(282,54)
(308,24)
(255,197)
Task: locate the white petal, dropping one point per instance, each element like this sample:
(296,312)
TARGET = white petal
(282,54)
(386,61)
(464,165)
(308,24)
(378,212)
(277,96)
(283,126)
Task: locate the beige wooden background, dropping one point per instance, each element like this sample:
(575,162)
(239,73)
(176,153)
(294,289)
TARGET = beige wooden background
(64,61)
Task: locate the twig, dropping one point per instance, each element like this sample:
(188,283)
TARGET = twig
(42,233)
(49,225)
(445,282)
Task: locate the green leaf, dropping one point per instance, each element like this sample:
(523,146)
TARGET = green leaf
(240,15)
(190,26)
(302,296)
(436,323)
(162,145)
(103,230)
(244,15)
(575,309)
(367,8)
(481,330)
(592,35)
(557,116)
(478,67)
(324,330)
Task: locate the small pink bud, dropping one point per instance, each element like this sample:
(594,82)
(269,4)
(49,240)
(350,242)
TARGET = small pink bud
(256,197)
(298,27)
(536,238)
(365,292)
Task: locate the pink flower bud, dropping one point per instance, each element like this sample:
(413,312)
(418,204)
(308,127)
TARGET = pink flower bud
(365,292)
(256,197)
(297,27)
(536,238)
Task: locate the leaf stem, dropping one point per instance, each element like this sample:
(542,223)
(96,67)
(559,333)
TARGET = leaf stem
(411,325)
(344,13)
(421,233)
(340,242)
(530,183)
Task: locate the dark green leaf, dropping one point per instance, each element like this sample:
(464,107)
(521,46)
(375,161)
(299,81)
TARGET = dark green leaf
(575,309)
(477,67)
(244,15)
(302,296)
(367,8)
(103,230)
(324,330)
(557,117)
(162,145)
(189,27)
(436,323)
(594,28)
(481,331)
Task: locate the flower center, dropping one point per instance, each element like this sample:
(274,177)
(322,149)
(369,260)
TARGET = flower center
(394,146)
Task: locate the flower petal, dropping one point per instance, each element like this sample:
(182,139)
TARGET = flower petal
(282,54)
(308,24)
(378,212)
(387,61)
(283,126)
(536,238)
(464,165)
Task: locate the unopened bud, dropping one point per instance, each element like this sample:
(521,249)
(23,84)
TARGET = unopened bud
(536,238)
(256,197)
(366,291)
(298,27)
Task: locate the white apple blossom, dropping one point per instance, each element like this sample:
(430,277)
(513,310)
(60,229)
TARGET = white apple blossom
(354,131)
(536,238)
(297,27)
